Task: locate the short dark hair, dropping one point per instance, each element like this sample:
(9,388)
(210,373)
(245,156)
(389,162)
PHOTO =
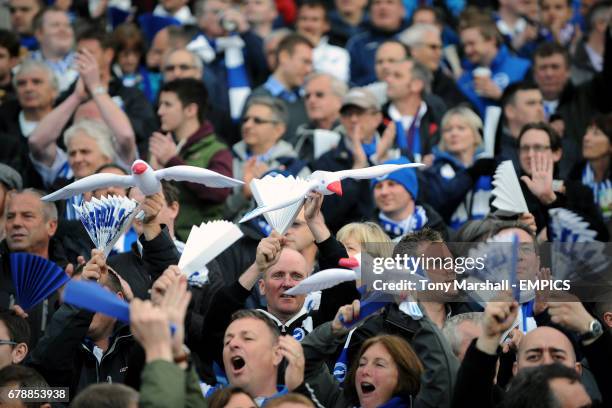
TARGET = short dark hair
(314,4)
(37,22)
(530,388)
(509,95)
(548,49)
(17,327)
(404,46)
(96,33)
(553,136)
(474,18)
(409,243)
(127,36)
(171,192)
(10,41)
(258,315)
(112,282)
(23,377)
(289,43)
(603,122)
(105,395)
(188,91)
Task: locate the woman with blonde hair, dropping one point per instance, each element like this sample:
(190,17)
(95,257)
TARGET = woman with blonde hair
(357,234)
(459,180)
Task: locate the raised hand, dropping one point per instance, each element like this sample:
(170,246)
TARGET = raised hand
(162,147)
(541,181)
(96,269)
(386,142)
(349,314)
(151,328)
(175,302)
(161,285)
(88,69)
(292,350)
(268,251)
(499,316)
(314,217)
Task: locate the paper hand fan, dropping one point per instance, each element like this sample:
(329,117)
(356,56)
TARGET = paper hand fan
(35,278)
(567,226)
(507,190)
(106,219)
(322,280)
(492,116)
(272,189)
(93,297)
(500,256)
(205,242)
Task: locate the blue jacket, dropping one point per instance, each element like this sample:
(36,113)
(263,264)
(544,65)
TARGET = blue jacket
(449,184)
(505,69)
(362,50)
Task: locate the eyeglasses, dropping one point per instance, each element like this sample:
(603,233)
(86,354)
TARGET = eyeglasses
(318,95)
(258,120)
(8,342)
(535,148)
(182,67)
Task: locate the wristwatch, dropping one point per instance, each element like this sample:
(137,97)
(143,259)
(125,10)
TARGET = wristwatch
(99,90)
(595,330)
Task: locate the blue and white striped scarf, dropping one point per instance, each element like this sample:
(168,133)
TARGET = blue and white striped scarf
(602,191)
(232,46)
(415,222)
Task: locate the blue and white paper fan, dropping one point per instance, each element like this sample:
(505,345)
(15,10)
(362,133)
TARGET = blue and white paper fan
(567,226)
(35,278)
(272,189)
(206,242)
(106,219)
(507,190)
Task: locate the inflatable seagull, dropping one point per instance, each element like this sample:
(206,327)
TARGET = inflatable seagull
(146,179)
(328,182)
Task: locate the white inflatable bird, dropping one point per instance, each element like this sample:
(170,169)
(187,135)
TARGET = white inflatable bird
(326,183)
(145,178)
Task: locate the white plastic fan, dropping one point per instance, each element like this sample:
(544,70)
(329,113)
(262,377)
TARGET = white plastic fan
(272,189)
(567,226)
(507,190)
(322,280)
(106,219)
(205,242)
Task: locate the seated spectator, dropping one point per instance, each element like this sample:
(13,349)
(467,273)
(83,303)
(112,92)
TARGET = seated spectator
(397,210)
(347,19)
(79,347)
(55,36)
(425,43)
(540,149)
(176,9)
(15,377)
(129,50)
(231,397)
(313,23)
(521,104)
(460,330)
(546,386)
(9,53)
(489,67)
(10,180)
(260,15)
(415,120)
(30,227)
(459,180)
(385,372)
(541,346)
(587,58)
(36,88)
(323,96)
(595,171)
(556,16)
(261,149)
(14,338)
(575,104)
(106,395)
(23,13)
(294,63)
(191,141)
(386,21)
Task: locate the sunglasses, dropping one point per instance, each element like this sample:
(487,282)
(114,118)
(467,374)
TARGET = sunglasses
(257,120)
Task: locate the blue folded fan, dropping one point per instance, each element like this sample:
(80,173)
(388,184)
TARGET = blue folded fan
(106,219)
(93,297)
(35,278)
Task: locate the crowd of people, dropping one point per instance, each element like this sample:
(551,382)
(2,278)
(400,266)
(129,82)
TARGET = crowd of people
(283,88)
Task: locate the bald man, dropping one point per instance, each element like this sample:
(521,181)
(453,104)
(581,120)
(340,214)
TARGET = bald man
(541,346)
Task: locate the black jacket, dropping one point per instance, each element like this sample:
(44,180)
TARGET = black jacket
(40,315)
(141,270)
(64,355)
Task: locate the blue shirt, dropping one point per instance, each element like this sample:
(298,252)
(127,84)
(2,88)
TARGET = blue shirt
(278,90)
